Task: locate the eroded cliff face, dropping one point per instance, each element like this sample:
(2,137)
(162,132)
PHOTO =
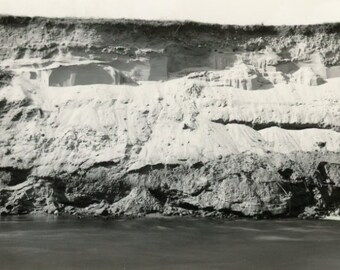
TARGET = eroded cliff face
(129,118)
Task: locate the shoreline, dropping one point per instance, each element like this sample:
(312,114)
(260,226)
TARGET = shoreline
(159,216)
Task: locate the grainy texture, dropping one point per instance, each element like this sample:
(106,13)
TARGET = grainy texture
(132,117)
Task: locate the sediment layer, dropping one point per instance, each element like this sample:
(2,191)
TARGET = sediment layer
(121,118)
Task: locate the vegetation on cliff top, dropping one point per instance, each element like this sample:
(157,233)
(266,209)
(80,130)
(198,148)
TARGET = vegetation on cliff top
(284,30)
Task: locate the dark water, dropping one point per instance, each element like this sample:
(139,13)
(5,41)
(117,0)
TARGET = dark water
(151,243)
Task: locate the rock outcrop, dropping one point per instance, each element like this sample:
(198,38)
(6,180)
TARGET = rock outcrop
(239,76)
(306,76)
(124,118)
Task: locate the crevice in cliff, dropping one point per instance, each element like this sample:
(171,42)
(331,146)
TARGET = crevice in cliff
(300,197)
(3,103)
(159,194)
(104,164)
(149,168)
(13,176)
(5,77)
(187,206)
(286,173)
(287,126)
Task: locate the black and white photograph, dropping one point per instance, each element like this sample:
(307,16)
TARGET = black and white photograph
(169,134)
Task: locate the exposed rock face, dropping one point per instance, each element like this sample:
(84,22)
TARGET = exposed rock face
(98,120)
(239,76)
(87,75)
(306,76)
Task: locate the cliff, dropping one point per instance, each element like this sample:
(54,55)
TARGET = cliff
(126,117)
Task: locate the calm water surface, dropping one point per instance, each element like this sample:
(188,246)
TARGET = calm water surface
(174,243)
